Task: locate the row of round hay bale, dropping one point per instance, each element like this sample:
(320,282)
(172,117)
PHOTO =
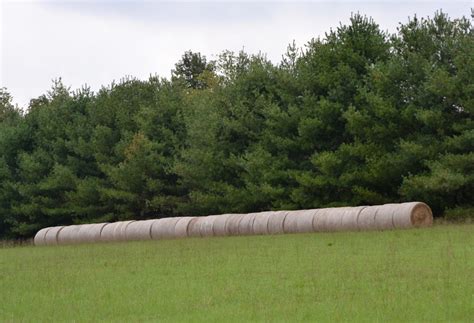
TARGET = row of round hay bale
(377,217)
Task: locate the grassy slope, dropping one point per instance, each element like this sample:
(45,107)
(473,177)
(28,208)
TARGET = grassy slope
(424,274)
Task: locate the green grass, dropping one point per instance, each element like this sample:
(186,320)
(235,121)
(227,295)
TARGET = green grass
(409,275)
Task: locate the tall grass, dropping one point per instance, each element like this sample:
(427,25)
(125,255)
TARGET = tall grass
(408,275)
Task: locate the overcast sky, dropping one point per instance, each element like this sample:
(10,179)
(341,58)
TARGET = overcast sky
(96,42)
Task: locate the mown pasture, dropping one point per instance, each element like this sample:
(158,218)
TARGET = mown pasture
(404,275)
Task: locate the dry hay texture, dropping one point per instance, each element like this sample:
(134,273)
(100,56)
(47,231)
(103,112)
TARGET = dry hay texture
(194,227)
(164,228)
(68,235)
(39,237)
(139,230)
(260,224)
(359,218)
(181,227)
(219,225)
(114,231)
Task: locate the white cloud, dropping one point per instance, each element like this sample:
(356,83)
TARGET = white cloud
(97,42)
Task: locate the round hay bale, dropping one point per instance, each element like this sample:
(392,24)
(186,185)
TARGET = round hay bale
(82,233)
(412,214)
(384,216)
(115,231)
(275,222)
(304,220)
(39,237)
(207,225)
(107,233)
(164,228)
(232,224)
(68,235)
(260,223)
(349,218)
(299,221)
(289,224)
(194,227)
(366,219)
(139,230)
(334,218)
(219,225)
(246,224)
(320,219)
(181,227)
(90,232)
(51,237)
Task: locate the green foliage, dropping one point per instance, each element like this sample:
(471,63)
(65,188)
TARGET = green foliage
(190,68)
(460,214)
(356,117)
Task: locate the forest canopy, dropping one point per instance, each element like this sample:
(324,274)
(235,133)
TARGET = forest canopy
(356,117)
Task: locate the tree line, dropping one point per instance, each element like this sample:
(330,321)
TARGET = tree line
(356,117)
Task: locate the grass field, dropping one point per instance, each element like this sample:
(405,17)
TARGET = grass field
(408,275)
